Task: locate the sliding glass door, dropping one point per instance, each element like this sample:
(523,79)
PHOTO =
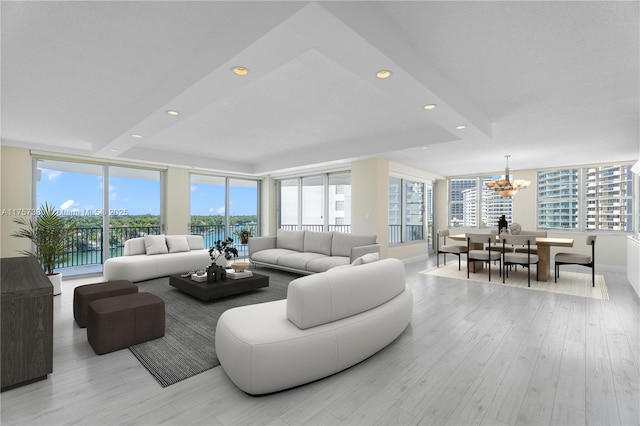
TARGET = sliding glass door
(105,215)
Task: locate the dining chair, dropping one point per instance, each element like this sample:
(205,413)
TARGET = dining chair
(534,247)
(578,259)
(498,247)
(484,255)
(445,248)
(519,258)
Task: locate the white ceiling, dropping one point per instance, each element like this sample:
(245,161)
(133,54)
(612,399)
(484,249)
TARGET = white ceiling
(551,83)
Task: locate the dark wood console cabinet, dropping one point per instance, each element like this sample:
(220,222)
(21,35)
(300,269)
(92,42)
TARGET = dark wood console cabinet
(26,332)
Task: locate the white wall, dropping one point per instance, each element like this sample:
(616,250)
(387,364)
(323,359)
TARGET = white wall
(16,187)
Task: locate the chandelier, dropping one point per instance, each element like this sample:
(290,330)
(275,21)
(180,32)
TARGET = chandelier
(504,186)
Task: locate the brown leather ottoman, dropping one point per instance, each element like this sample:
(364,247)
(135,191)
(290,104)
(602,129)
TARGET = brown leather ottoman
(85,294)
(118,322)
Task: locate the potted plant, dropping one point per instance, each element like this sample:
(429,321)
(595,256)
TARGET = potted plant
(244,234)
(220,253)
(50,234)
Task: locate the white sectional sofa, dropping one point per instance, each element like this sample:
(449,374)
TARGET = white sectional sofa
(308,252)
(329,322)
(154,256)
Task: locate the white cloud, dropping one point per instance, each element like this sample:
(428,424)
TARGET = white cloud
(51,174)
(67,205)
(220,210)
(194,188)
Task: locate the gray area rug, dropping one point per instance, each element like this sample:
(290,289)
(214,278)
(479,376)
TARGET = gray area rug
(188,346)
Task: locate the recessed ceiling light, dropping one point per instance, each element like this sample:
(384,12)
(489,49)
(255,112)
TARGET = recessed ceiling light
(461,127)
(137,136)
(382,74)
(172,112)
(240,70)
(113,150)
(430,106)
(424,147)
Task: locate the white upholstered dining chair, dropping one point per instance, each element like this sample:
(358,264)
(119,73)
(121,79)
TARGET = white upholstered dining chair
(525,259)
(486,255)
(445,248)
(578,259)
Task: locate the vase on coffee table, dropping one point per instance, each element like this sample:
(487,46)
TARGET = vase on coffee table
(216,273)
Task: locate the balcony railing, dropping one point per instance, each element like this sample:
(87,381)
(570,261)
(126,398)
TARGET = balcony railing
(88,244)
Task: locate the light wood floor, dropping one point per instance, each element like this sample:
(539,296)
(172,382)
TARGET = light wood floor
(473,354)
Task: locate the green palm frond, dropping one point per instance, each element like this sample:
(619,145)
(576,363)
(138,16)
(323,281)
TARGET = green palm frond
(50,233)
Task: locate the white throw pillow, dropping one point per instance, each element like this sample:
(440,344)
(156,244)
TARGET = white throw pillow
(366,258)
(370,257)
(177,243)
(155,244)
(357,261)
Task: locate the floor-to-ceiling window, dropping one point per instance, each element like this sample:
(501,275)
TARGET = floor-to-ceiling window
(222,205)
(315,203)
(134,204)
(289,203)
(414,201)
(105,215)
(243,210)
(339,202)
(408,210)
(395,210)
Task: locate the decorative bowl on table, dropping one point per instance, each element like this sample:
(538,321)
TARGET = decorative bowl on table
(240,266)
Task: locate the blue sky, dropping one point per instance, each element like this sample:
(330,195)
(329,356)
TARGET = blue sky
(81,194)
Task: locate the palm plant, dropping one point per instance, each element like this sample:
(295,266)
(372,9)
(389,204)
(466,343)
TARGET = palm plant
(51,235)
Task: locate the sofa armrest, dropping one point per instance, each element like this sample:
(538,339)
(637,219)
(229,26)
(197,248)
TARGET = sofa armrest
(358,251)
(261,243)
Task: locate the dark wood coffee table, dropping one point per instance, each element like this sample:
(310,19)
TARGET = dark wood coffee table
(206,291)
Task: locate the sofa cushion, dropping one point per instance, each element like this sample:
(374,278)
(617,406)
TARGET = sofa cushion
(327,262)
(134,246)
(318,242)
(340,293)
(196,242)
(155,244)
(290,240)
(177,243)
(298,260)
(342,242)
(270,255)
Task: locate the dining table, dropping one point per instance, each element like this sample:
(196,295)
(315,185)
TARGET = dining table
(544,252)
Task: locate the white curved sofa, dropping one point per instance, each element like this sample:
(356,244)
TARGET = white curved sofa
(154,256)
(329,322)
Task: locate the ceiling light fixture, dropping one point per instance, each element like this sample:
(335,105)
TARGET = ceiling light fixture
(430,106)
(172,112)
(240,70)
(505,187)
(461,127)
(137,136)
(382,74)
